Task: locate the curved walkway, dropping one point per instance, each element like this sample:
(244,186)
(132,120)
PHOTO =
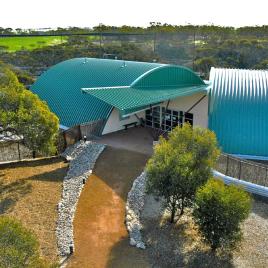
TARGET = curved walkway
(101,238)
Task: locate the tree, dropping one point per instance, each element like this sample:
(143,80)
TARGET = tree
(219,211)
(18,246)
(23,113)
(204,65)
(180,165)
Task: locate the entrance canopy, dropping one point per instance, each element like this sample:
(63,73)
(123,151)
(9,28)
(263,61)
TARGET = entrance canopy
(131,99)
(155,86)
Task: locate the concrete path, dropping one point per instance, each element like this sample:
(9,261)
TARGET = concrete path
(101,239)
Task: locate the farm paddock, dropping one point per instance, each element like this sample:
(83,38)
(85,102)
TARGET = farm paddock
(30,192)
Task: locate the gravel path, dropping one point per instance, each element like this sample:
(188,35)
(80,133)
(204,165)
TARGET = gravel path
(82,157)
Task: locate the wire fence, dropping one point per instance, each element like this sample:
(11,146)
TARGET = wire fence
(242,169)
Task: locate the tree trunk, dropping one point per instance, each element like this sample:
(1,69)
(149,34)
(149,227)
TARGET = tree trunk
(173,212)
(182,207)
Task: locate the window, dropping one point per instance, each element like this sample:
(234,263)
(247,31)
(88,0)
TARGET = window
(166,119)
(188,118)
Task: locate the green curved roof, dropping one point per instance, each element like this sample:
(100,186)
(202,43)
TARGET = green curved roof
(238,110)
(61,86)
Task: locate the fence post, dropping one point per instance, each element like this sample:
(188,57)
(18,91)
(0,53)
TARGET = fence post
(80,132)
(227,165)
(65,140)
(239,176)
(19,150)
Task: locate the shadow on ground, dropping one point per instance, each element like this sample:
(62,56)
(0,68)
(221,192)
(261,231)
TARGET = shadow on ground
(32,163)
(120,166)
(10,193)
(55,175)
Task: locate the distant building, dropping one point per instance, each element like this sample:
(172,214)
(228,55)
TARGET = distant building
(103,96)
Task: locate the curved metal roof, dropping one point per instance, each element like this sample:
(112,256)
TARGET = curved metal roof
(61,86)
(238,110)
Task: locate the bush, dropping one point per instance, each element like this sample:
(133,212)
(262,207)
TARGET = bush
(18,246)
(180,165)
(219,211)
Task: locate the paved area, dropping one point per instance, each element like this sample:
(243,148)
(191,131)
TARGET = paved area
(138,139)
(100,235)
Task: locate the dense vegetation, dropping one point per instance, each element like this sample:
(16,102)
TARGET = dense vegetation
(180,165)
(198,47)
(23,114)
(219,211)
(18,246)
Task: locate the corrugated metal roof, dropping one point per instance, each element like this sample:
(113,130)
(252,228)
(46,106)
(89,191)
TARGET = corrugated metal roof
(61,85)
(157,85)
(238,110)
(129,99)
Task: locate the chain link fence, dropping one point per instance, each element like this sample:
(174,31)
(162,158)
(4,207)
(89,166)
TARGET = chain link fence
(242,169)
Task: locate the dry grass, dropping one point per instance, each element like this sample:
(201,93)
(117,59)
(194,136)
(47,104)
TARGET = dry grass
(30,192)
(180,245)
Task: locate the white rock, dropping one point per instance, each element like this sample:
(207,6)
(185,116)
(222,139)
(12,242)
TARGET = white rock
(140,245)
(132,242)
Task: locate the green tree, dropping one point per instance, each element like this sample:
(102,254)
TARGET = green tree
(219,211)
(204,65)
(18,246)
(180,165)
(24,114)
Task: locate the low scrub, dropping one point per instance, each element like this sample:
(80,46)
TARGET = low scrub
(219,211)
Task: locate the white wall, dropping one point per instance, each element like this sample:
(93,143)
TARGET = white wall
(200,111)
(114,123)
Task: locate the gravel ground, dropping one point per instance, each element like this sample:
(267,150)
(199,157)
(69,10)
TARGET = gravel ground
(180,245)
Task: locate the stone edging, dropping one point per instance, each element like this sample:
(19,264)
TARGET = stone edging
(82,157)
(134,206)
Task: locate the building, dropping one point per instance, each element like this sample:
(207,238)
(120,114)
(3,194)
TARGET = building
(103,96)
(115,94)
(238,110)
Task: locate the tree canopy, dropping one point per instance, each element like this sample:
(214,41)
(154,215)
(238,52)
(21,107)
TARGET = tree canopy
(18,246)
(22,113)
(180,165)
(219,211)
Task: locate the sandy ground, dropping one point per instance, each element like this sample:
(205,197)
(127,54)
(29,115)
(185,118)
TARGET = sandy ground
(30,192)
(101,238)
(180,245)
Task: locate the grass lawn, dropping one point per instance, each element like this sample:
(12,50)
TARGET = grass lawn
(30,43)
(30,192)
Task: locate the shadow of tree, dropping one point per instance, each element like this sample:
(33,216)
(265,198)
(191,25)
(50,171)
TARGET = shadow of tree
(260,207)
(206,259)
(10,193)
(123,255)
(169,245)
(55,175)
(34,163)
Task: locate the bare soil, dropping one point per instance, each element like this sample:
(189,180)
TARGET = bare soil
(30,192)
(101,238)
(180,245)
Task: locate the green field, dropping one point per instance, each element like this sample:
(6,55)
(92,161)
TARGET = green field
(20,43)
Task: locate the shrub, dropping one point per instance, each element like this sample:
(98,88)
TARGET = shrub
(180,165)
(219,211)
(18,246)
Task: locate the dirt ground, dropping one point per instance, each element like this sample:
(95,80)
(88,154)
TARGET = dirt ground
(101,239)
(30,192)
(180,245)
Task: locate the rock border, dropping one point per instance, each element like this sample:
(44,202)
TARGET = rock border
(134,206)
(82,156)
